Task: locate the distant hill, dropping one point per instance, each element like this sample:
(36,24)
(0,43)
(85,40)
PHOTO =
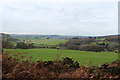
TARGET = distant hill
(56,36)
(45,36)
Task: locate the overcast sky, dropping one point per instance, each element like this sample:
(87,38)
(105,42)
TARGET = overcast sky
(68,18)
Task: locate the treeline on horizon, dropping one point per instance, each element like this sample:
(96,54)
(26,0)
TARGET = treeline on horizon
(96,44)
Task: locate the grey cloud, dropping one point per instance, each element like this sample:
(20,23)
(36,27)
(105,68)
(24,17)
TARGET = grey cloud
(60,18)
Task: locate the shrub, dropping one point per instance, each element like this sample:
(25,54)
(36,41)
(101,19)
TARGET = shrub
(114,38)
(23,45)
(73,47)
(12,68)
(112,47)
(69,62)
(92,47)
(7,45)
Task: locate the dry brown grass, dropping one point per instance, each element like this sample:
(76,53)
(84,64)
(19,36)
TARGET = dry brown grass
(13,68)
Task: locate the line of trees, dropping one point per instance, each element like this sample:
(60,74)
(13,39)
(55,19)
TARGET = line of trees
(90,44)
(23,45)
(84,44)
(7,43)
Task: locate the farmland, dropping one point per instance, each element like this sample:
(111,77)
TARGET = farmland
(44,41)
(83,57)
(45,57)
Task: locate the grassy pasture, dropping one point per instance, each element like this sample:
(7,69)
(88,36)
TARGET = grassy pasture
(83,57)
(100,39)
(50,41)
(45,41)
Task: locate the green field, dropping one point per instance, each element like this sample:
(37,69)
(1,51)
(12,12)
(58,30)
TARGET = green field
(50,41)
(83,57)
(45,41)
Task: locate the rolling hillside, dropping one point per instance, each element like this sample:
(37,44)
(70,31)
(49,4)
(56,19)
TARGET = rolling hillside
(83,57)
